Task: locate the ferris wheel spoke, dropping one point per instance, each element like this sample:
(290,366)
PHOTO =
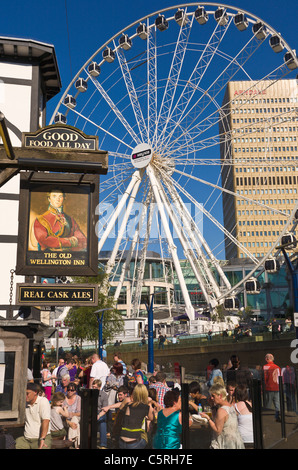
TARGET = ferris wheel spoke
(111,262)
(135,181)
(151,84)
(234,65)
(135,103)
(194,255)
(181,109)
(209,95)
(212,141)
(147,223)
(97,126)
(188,307)
(257,88)
(113,184)
(119,155)
(212,218)
(173,78)
(264,123)
(192,229)
(116,110)
(135,240)
(239,196)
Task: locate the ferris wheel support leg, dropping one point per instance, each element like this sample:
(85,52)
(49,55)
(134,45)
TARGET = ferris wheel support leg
(134,179)
(111,262)
(188,307)
(141,268)
(186,218)
(131,250)
(186,247)
(190,228)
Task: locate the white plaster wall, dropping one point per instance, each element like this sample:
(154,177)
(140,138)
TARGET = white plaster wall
(15,104)
(9,223)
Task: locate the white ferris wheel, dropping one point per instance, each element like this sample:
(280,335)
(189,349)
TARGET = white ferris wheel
(154,93)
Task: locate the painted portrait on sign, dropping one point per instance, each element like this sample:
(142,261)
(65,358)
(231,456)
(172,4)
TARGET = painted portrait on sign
(58,221)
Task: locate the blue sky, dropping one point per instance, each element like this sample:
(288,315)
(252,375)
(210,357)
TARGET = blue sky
(93,22)
(77,29)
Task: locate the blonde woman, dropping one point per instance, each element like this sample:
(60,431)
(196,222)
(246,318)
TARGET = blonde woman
(137,410)
(226,434)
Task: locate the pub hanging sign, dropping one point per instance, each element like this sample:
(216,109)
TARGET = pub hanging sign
(57,225)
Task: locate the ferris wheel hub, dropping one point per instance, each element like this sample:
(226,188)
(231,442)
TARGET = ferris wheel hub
(141,155)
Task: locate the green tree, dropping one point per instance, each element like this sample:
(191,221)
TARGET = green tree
(82,322)
(245,314)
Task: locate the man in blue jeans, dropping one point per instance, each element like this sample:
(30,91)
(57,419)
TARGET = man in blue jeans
(103,400)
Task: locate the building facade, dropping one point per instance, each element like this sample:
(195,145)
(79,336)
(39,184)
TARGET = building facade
(261,121)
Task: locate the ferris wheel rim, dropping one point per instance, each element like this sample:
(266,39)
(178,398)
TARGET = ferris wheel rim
(122,31)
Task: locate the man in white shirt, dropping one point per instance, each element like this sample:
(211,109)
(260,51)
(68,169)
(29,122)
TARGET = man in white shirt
(37,434)
(99,370)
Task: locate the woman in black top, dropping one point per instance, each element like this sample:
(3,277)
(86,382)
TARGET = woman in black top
(133,434)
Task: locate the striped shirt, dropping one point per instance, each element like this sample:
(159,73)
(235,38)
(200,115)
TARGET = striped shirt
(161,389)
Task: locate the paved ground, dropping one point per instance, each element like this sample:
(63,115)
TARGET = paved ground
(272,431)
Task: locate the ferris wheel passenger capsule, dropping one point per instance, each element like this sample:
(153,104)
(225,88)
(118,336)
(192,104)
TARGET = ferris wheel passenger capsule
(288,240)
(232,303)
(81,85)
(201,15)
(142,31)
(161,23)
(125,42)
(240,21)
(221,16)
(181,17)
(260,31)
(272,265)
(291,61)
(60,119)
(108,55)
(276,43)
(70,101)
(252,286)
(94,69)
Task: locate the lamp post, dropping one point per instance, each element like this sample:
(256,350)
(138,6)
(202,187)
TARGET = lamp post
(150,336)
(100,320)
(150,333)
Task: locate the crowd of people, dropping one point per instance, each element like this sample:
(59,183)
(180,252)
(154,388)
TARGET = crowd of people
(229,388)
(135,411)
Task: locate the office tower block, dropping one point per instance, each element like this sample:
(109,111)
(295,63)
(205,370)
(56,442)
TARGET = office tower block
(258,135)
